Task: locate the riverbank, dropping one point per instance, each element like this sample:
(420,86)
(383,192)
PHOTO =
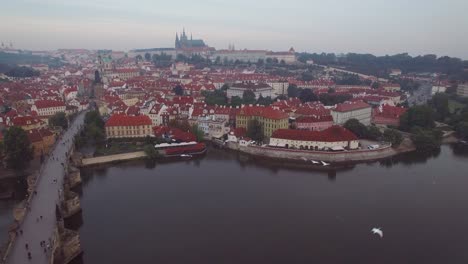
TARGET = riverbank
(112,158)
(355,156)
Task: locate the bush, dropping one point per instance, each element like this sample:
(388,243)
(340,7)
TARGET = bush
(393,136)
(151,152)
(359,129)
(426,140)
(373,133)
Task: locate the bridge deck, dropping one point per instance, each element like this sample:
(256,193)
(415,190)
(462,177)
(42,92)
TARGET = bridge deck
(43,203)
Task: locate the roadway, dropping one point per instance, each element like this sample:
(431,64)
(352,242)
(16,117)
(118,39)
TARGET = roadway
(43,203)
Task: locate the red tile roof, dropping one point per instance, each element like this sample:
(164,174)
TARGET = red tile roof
(25,120)
(314,119)
(331,134)
(48,103)
(389,111)
(124,120)
(351,106)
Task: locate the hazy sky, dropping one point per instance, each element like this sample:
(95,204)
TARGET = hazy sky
(372,26)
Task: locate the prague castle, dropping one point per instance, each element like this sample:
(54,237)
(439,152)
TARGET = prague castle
(184,42)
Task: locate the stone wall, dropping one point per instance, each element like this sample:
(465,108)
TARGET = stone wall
(343,156)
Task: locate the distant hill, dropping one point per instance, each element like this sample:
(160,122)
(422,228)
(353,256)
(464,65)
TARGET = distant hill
(381,65)
(9,60)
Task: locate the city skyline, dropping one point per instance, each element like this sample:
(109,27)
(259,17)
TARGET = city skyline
(377,27)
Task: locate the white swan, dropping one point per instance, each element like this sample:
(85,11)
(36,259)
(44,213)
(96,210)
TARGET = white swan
(377,231)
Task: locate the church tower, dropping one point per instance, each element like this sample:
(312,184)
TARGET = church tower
(177,43)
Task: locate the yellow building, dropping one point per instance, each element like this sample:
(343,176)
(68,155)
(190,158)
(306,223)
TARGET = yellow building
(123,126)
(269,118)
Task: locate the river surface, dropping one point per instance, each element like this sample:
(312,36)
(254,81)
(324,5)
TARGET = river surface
(230,208)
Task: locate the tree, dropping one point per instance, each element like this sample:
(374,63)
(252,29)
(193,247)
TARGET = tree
(147,56)
(139,58)
(462,129)
(393,136)
(426,140)
(151,152)
(236,101)
(359,129)
(181,57)
(375,85)
(440,103)
(18,150)
(248,97)
(306,95)
(255,130)
(178,90)
(22,72)
(373,133)
(307,76)
(217,97)
(224,87)
(94,117)
(59,119)
(265,101)
(293,90)
(199,134)
(94,127)
(420,116)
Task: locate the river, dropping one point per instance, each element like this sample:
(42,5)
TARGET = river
(230,208)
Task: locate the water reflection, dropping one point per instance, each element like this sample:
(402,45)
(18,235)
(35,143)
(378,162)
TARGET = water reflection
(460,149)
(410,158)
(245,209)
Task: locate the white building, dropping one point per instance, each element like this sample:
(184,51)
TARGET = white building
(438,89)
(156,114)
(352,110)
(288,57)
(333,138)
(462,90)
(279,87)
(259,89)
(240,55)
(212,127)
(46,108)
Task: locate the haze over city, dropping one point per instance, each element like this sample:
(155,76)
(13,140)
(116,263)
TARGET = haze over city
(247,131)
(364,26)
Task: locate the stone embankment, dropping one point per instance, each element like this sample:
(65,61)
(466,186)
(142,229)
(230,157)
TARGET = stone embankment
(112,158)
(66,244)
(327,156)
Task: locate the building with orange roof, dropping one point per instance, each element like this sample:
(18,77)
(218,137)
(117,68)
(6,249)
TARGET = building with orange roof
(387,115)
(27,122)
(269,118)
(41,140)
(332,138)
(352,110)
(124,126)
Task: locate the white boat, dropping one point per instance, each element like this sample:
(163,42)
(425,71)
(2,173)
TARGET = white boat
(324,163)
(185,156)
(314,162)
